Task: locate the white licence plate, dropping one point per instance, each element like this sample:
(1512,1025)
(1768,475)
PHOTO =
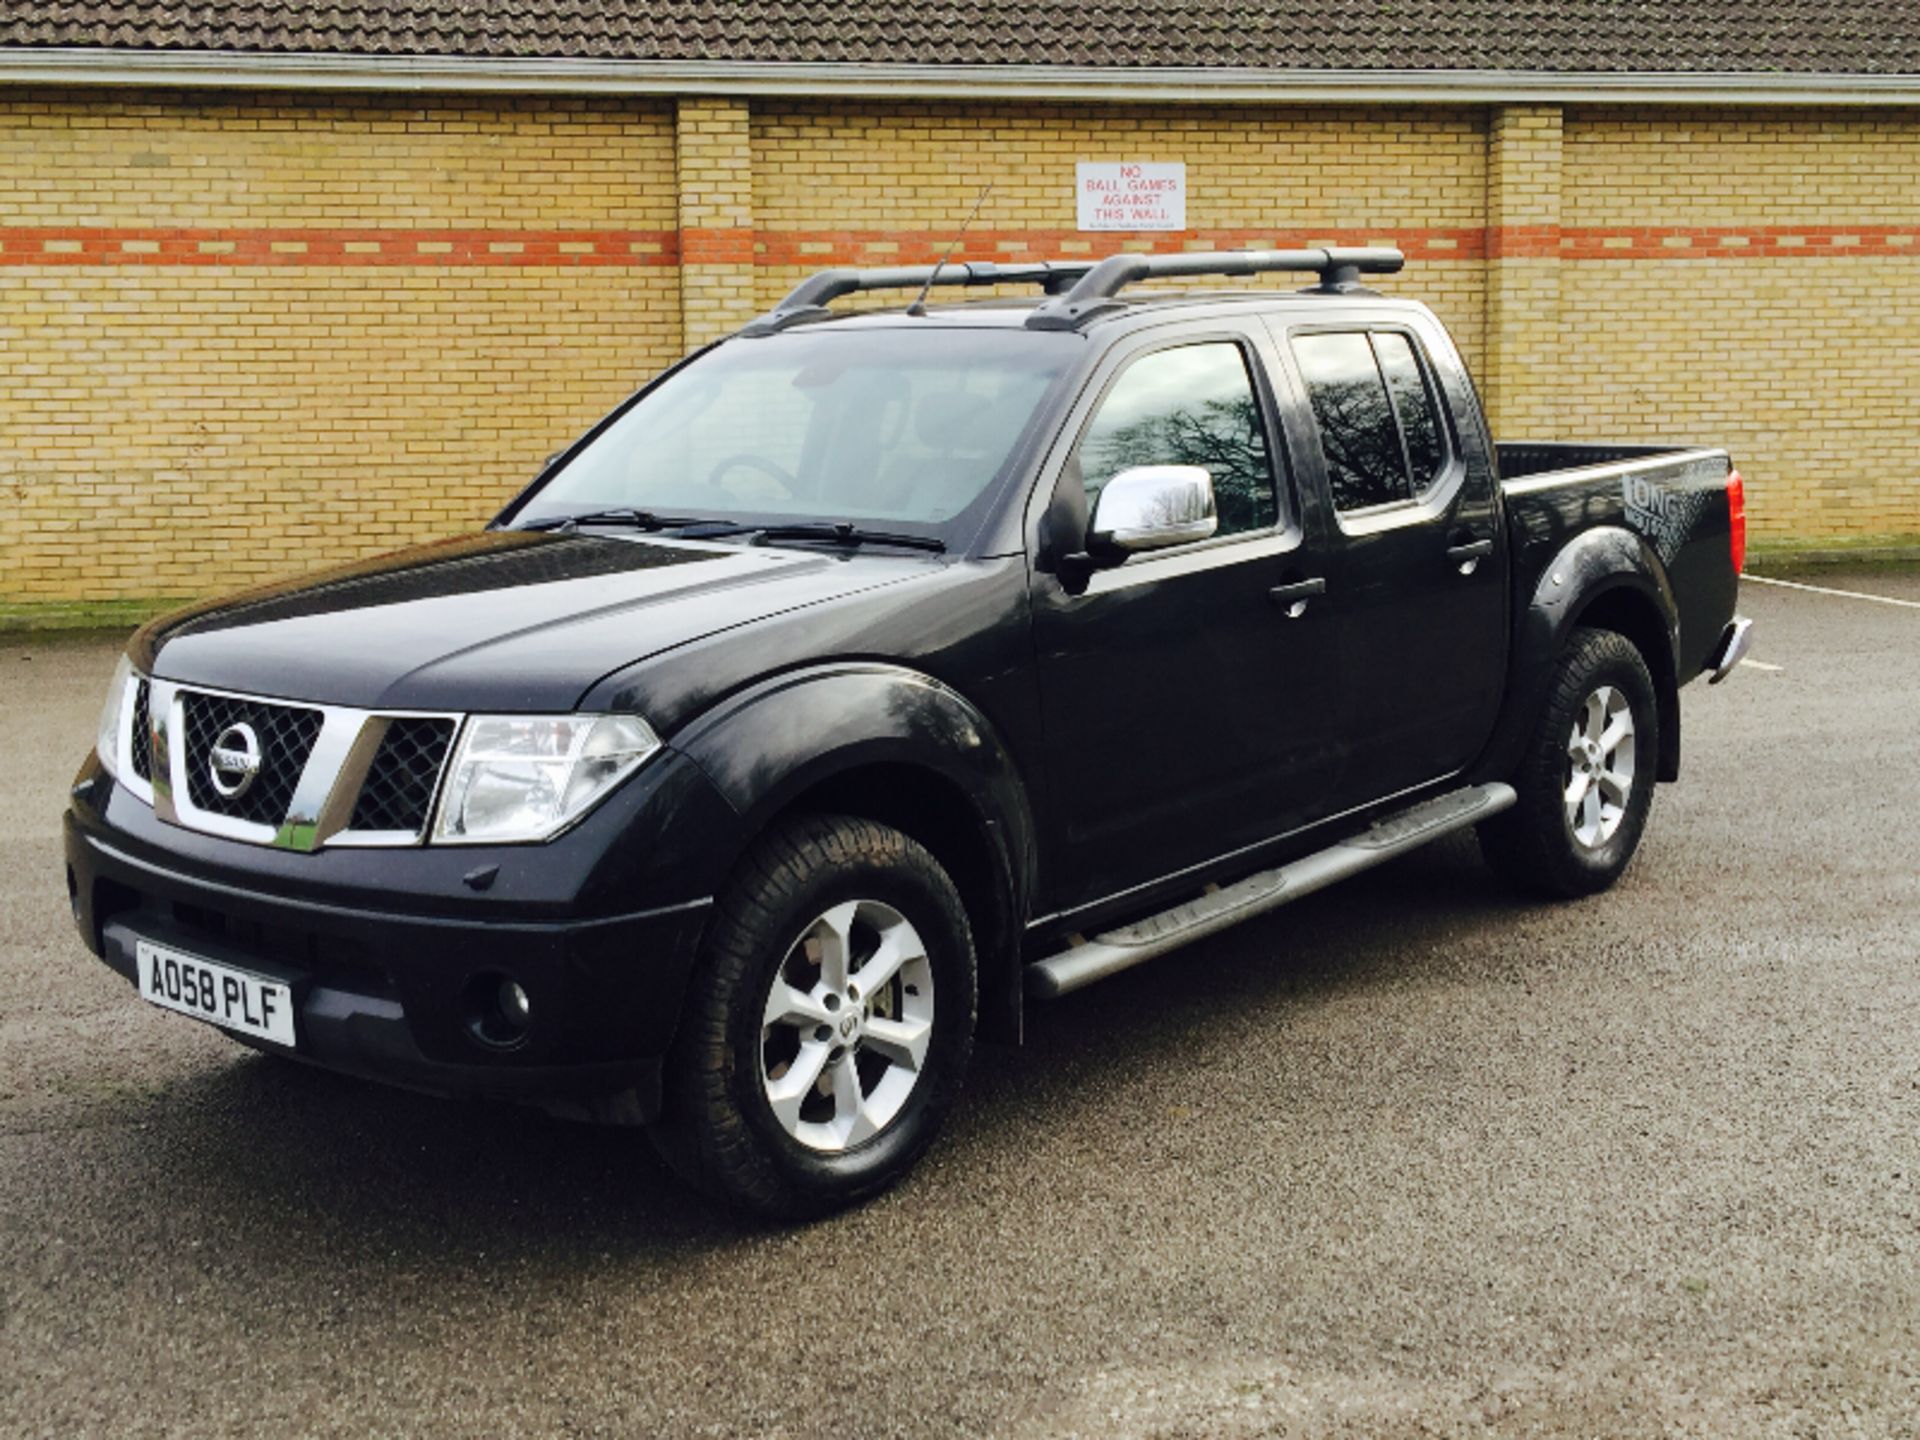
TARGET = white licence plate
(220,994)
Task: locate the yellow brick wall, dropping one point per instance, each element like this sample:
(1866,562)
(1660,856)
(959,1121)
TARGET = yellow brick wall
(190,430)
(1743,167)
(1523,315)
(243,336)
(1810,378)
(182,429)
(1291,175)
(1806,365)
(93,158)
(715,151)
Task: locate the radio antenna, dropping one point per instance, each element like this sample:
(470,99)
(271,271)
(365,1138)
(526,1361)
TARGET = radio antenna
(919,305)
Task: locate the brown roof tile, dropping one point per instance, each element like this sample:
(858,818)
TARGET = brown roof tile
(1703,36)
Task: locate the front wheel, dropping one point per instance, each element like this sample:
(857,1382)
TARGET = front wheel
(829,1024)
(1586,779)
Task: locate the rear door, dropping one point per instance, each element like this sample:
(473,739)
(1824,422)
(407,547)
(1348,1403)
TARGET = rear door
(1187,706)
(1416,571)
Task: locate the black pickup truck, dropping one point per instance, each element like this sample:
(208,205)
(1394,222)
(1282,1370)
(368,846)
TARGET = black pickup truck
(867,675)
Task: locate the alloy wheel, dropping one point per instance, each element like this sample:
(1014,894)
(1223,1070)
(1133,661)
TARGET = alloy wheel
(1600,759)
(846,1026)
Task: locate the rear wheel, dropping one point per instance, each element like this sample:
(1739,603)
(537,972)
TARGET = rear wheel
(830,1023)
(1585,782)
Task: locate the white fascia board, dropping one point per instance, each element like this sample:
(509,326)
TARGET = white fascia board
(195,69)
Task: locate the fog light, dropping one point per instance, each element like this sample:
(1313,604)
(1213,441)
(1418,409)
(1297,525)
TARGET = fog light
(498,1010)
(513,1003)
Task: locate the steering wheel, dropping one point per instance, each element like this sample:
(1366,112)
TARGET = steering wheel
(748,460)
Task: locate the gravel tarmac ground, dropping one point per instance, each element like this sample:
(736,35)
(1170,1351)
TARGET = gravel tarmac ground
(1409,1158)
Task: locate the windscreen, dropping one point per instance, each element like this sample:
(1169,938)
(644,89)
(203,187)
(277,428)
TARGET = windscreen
(909,427)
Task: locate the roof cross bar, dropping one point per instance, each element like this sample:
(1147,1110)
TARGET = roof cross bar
(1339,268)
(808,300)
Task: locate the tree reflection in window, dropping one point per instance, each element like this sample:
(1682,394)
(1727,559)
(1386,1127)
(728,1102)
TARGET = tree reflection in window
(1379,427)
(1192,405)
(1419,425)
(1365,465)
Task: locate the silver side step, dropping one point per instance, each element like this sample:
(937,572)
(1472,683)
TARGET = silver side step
(1391,835)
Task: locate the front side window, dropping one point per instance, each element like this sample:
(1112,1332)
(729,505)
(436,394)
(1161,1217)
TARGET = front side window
(1379,427)
(1191,405)
(910,426)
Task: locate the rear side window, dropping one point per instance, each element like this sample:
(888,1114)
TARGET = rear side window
(1379,427)
(1191,405)
(1419,425)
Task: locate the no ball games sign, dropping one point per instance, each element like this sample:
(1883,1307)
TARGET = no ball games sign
(1132,196)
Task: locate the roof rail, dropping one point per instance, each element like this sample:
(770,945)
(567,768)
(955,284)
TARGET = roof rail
(1339,269)
(808,300)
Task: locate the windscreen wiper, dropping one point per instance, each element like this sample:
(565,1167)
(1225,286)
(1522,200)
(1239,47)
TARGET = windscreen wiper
(845,533)
(636,519)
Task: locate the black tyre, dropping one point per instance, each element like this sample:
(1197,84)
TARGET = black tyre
(828,1025)
(1586,779)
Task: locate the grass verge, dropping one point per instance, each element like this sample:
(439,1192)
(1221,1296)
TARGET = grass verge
(39,617)
(1866,552)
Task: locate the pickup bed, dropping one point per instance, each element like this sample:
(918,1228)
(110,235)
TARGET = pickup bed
(869,674)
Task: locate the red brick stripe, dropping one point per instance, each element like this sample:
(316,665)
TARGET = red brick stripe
(1731,242)
(895,247)
(716,247)
(308,247)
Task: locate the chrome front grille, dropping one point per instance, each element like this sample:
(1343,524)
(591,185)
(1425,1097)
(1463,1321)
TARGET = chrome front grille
(140,743)
(282,737)
(398,792)
(277,772)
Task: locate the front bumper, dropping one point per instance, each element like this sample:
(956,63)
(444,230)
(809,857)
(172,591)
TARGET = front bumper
(386,962)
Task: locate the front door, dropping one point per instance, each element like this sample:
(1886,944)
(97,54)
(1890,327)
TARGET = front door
(1187,706)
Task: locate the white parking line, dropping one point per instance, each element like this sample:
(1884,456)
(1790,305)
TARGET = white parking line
(1825,590)
(1762,665)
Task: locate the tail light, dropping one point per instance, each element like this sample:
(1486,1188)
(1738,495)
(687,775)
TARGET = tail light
(1737,519)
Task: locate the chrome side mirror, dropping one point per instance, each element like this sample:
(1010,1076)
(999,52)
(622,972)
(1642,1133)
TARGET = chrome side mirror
(1149,507)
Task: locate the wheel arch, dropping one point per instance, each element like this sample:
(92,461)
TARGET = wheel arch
(1605,578)
(895,746)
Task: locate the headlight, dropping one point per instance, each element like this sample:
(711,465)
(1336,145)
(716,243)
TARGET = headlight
(527,777)
(113,717)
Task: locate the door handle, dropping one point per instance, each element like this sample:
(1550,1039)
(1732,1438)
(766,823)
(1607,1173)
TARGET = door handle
(1293,598)
(1467,555)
